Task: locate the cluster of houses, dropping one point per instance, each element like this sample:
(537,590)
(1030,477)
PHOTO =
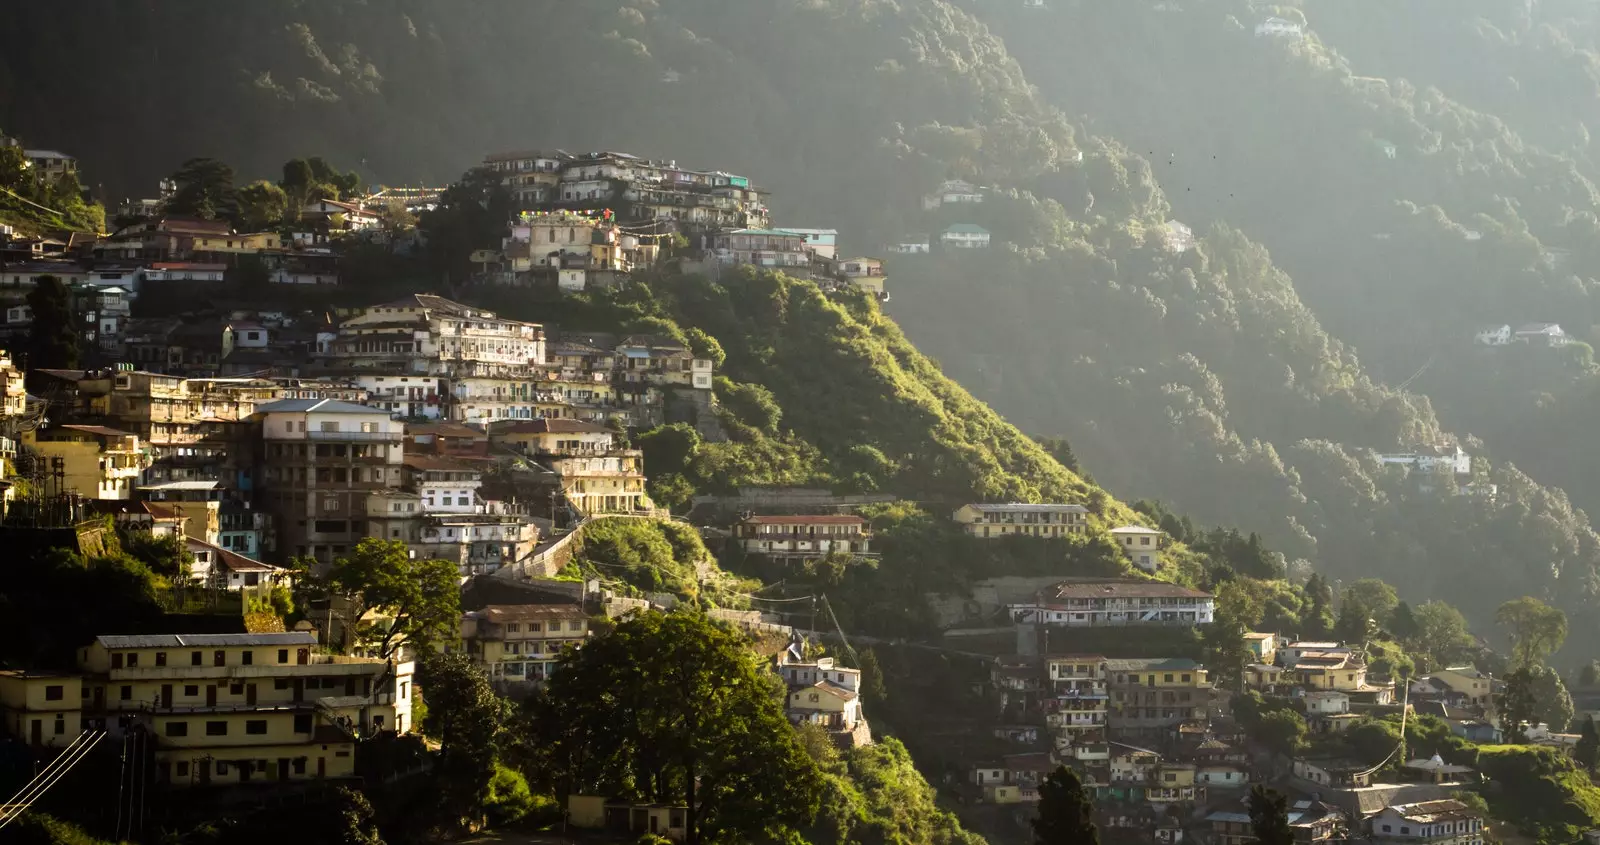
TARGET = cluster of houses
(1537,334)
(1153,738)
(464,434)
(590,219)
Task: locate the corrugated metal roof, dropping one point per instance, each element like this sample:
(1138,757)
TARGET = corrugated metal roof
(202,640)
(321,406)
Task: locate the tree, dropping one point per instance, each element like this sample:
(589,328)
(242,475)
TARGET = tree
(395,217)
(1536,629)
(873,692)
(1517,704)
(418,601)
(1442,636)
(52,336)
(467,718)
(1367,598)
(1552,703)
(1317,619)
(1225,652)
(262,205)
(1269,817)
(1282,731)
(1403,623)
(672,707)
(205,190)
(1588,750)
(14,175)
(1066,816)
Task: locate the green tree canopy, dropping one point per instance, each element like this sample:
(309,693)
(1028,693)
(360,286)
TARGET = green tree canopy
(1066,815)
(674,708)
(469,720)
(416,602)
(205,190)
(1442,637)
(53,334)
(1536,629)
(1269,817)
(262,205)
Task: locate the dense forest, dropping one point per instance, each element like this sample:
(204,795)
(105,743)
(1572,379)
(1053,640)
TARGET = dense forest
(1222,378)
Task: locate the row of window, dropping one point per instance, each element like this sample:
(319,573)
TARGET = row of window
(536,627)
(303,724)
(130,659)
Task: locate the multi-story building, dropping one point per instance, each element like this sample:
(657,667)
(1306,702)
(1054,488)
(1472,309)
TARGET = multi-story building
(864,273)
(1084,603)
(477,543)
(1342,672)
(221,708)
(798,538)
(761,248)
(96,461)
(1075,702)
(1443,822)
(1141,545)
(804,673)
(322,459)
(408,396)
(647,359)
(430,335)
(446,485)
(1151,696)
(1310,821)
(638,188)
(601,483)
(990,521)
(522,644)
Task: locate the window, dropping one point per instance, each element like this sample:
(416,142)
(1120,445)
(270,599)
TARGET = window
(161,658)
(513,627)
(126,694)
(116,660)
(194,658)
(217,728)
(329,426)
(191,690)
(219,658)
(1167,678)
(61,724)
(1186,678)
(235,689)
(54,692)
(256,727)
(182,768)
(177,729)
(249,658)
(299,765)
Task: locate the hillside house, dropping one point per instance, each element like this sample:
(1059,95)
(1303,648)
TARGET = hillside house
(1473,687)
(1311,822)
(1289,655)
(1151,696)
(50,165)
(1327,702)
(1335,772)
(953,192)
(1543,334)
(522,644)
(864,273)
(1075,701)
(1141,545)
(1094,603)
(1177,237)
(1435,770)
(964,236)
(1441,457)
(1443,822)
(989,521)
(1494,335)
(801,538)
(1014,779)
(823,243)
(624,819)
(762,248)
(1263,646)
(909,245)
(1276,27)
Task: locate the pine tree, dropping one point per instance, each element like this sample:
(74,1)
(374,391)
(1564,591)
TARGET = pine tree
(1066,817)
(1269,817)
(52,339)
(1588,750)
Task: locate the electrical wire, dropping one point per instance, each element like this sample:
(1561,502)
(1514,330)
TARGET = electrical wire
(61,772)
(45,772)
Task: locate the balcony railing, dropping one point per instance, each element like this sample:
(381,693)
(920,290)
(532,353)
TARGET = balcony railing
(362,436)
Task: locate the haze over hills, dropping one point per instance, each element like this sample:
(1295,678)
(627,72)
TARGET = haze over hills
(1200,377)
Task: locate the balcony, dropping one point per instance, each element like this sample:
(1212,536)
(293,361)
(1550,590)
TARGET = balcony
(357,436)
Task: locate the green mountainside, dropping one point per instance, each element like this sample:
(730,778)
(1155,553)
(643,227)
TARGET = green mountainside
(1210,378)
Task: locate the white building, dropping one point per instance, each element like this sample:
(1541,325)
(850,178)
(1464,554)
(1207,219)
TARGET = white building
(1142,545)
(1436,458)
(1279,28)
(953,192)
(1443,822)
(1548,334)
(430,335)
(824,243)
(1327,702)
(965,236)
(799,673)
(1091,603)
(909,245)
(405,395)
(1495,335)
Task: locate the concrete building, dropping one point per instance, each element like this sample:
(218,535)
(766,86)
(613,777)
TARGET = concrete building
(991,521)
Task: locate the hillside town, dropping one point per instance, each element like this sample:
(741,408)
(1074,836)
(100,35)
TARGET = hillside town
(270,445)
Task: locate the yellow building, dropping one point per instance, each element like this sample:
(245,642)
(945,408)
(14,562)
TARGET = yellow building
(1468,681)
(42,708)
(1263,647)
(97,462)
(1341,672)
(1151,696)
(220,707)
(238,243)
(1003,520)
(522,643)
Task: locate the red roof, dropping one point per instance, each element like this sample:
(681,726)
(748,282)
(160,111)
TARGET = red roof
(806,519)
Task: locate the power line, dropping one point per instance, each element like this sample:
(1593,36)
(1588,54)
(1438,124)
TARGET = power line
(18,808)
